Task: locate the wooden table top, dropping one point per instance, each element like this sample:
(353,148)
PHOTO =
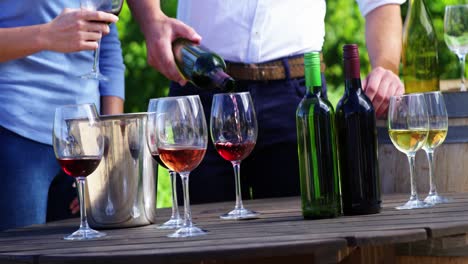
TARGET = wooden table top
(280,231)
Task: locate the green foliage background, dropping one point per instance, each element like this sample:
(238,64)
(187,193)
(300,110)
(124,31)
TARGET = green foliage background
(344,24)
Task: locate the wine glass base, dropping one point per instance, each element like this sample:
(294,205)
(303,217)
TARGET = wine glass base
(414,204)
(436,199)
(85,234)
(239,214)
(189,231)
(94,76)
(172,223)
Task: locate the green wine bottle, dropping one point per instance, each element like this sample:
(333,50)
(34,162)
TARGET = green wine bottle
(203,68)
(419,54)
(318,166)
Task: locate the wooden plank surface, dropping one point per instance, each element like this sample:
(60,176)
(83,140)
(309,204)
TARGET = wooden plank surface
(280,231)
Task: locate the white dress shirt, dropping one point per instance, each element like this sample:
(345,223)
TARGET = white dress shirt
(254,31)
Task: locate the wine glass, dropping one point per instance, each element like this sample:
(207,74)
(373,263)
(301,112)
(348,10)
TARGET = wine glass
(109,6)
(456,34)
(234,129)
(175,221)
(78,147)
(181,140)
(408,126)
(438,127)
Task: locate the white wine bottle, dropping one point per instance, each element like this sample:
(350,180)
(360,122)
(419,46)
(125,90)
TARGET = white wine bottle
(419,54)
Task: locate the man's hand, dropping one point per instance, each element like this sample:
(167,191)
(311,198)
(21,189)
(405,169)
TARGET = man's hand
(379,85)
(159,45)
(76,30)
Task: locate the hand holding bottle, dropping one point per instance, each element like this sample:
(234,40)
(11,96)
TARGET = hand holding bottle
(160,31)
(379,86)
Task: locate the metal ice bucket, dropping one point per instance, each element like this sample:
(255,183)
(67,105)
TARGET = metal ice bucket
(122,190)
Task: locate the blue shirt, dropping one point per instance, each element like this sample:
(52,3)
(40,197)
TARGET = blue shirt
(32,87)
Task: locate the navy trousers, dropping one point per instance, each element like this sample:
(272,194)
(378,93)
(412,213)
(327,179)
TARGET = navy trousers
(27,169)
(271,170)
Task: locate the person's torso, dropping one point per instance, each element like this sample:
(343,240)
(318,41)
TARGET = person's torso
(253,31)
(32,87)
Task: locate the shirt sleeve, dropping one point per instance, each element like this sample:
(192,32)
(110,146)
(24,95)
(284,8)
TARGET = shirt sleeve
(366,6)
(111,65)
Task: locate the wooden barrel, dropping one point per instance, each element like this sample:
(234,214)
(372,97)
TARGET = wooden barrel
(451,158)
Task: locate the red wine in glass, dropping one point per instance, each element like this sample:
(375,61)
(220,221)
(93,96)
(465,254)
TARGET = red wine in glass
(80,166)
(234,151)
(116,7)
(182,158)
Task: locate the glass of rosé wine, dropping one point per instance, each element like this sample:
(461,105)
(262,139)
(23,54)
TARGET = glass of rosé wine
(79,146)
(181,139)
(234,129)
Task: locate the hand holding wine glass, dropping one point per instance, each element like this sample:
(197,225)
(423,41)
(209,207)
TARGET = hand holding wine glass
(234,133)
(408,126)
(438,128)
(78,147)
(108,6)
(181,139)
(456,34)
(175,221)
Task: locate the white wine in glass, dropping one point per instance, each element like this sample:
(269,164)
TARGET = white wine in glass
(408,127)
(438,128)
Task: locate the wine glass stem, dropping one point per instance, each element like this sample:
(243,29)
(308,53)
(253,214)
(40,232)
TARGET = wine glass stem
(236,166)
(432,185)
(185,188)
(96,57)
(414,192)
(175,207)
(462,69)
(81,189)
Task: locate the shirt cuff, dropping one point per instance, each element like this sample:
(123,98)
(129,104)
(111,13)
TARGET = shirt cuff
(366,6)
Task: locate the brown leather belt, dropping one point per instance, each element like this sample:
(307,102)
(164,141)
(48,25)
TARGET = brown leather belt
(268,71)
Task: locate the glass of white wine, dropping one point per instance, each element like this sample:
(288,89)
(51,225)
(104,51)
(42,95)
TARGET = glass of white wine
(438,127)
(408,126)
(456,34)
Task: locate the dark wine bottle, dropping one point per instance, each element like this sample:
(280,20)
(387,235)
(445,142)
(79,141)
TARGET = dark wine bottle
(202,67)
(318,163)
(419,53)
(357,141)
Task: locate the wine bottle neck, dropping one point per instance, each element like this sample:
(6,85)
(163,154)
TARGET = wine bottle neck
(353,86)
(222,80)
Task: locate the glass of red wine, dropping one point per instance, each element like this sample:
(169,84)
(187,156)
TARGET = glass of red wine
(181,140)
(109,6)
(175,221)
(79,146)
(234,129)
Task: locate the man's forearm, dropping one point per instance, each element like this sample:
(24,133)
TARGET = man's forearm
(383,37)
(145,12)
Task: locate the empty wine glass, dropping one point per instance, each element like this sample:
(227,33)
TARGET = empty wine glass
(175,221)
(234,129)
(109,6)
(456,34)
(408,127)
(181,139)
(438,127)
(78,147)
